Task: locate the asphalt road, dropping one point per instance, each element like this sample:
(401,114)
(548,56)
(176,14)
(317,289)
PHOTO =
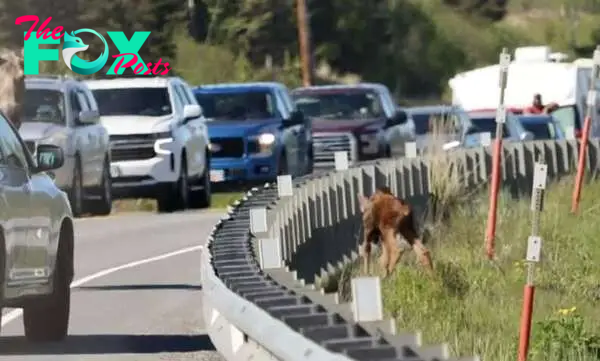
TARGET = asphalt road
(142,306)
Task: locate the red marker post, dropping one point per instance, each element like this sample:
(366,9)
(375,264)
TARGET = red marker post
(490,234)
(534,251)
(591,106)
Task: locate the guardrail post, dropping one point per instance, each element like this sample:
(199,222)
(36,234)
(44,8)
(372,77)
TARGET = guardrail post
(534,250)
(490,234)
(341,161)
(285,187)
(258,220)
(585,134)
(485,139)
(367,304)
(410,150)
(270,253)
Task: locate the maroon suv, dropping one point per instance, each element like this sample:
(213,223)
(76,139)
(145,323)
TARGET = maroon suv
(361,120)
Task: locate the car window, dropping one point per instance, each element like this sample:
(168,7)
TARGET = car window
(14,153)
(567,120)
(150,102)
(180,94)
(343,104)
(43,106)
(83,100)
(237,105)
(75,103)
(179,102)
(488,125)
(426,123)
(286,99)
(184,95)
(541,130)
(85,105)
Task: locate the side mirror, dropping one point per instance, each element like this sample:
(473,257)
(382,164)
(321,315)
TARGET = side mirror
(49,157)
(87,117)
(296,118)
(397,119)
(191,111)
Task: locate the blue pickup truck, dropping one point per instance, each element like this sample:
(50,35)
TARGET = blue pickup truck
(256,133)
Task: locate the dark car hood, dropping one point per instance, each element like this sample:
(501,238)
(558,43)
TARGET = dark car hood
(241,128)
(343,125)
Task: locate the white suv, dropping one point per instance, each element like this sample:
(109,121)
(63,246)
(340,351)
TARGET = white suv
(62,111)
(159,140)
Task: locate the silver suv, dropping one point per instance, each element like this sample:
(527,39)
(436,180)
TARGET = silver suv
(36,237)
(62,111)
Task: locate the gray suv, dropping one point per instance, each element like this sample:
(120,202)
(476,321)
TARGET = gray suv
(62,111)
(36,237)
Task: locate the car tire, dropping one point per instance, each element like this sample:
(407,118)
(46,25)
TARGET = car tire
(311,161)
(177,196)
(202,198)
(47,319)
(76,191)
(282,166)
(103,206)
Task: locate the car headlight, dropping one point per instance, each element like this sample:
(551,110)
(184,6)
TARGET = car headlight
(262,144)
(266,139)
(162,143)
(369,142)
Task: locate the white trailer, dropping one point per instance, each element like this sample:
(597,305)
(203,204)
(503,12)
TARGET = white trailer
(533,70)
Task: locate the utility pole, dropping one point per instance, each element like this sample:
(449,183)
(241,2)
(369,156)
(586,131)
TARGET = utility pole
(304,41)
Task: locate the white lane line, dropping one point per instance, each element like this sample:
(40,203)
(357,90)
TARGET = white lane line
(14,314)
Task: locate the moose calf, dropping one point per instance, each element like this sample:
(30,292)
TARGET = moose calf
(385,216)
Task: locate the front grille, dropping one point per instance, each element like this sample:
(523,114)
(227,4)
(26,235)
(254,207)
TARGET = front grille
(326,144)
(132,147)
(140,153)
(132,138)
(227,147)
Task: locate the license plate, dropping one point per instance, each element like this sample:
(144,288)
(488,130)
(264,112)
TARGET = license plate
(115,171)
(217,175)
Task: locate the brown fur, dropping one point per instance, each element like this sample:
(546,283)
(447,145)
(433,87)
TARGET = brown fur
(384,217)
(12,85)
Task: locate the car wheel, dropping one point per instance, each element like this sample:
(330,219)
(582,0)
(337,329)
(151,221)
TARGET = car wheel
(76,192)
(311,161)
(103,206)
(177,197)
(282,167)
(47,319)
(202,198)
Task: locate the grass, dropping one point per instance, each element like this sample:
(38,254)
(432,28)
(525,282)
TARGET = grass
(475,305)
(219,201)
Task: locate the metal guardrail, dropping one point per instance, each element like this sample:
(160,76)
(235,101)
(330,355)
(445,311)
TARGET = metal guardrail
(263,257)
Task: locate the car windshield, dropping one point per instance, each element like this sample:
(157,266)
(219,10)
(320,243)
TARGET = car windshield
(151,102)
(44,105)
(540,129)
(449,122)
(487,125)
(246,105)
(342,105)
